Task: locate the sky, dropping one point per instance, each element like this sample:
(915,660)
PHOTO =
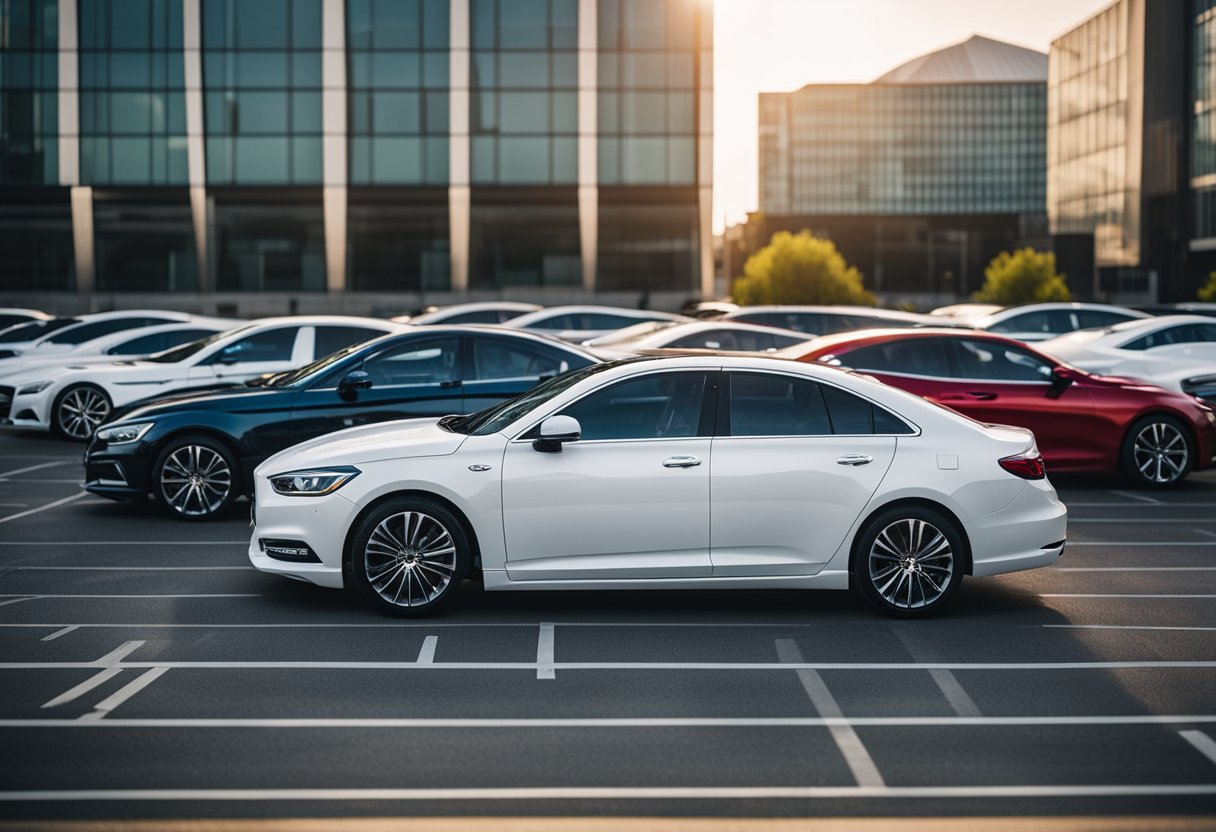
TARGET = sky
(780,45)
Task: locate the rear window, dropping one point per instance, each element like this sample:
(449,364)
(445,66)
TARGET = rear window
(913,356)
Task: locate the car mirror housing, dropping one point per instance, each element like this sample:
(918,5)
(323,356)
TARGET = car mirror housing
(354,381)
(554,432)
(1061,380)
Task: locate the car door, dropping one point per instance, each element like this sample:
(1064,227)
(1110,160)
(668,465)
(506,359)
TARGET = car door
(269,351)
(629,499)
(499,367)
(794,463)
(419,376)
(1008,384)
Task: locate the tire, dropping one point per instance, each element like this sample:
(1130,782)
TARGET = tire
(79,410)
(409,556)
(1158,452)
(909,562)
(195,478)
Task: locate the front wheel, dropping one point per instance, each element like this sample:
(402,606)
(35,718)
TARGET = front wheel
(1158,452)
(79,411)
(909,562)
(195,478)
(409,556)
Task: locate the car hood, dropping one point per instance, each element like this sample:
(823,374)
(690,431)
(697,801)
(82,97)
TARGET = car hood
(385,440)
(219,396)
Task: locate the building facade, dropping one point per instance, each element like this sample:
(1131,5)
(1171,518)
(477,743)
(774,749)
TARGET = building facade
(233,154)
(920,177)
(1119,117)
(1202,147)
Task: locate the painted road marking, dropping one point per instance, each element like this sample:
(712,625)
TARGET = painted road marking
(83,688)
(39,467)
(544,653)
(555,666)
(427,654)
(59,633)
(946,682)
(46,507)
(1202,743)
(105,706)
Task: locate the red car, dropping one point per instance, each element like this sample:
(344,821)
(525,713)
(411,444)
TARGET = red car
(1082,422)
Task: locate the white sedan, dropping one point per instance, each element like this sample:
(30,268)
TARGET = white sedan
(730,336)
(693,471)
(1041,321)
(119,346)
(73,400)
(61,335)
(581,323)
(1177,352)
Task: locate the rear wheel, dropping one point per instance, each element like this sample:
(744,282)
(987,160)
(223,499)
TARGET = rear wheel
(195,478)
(409,556)
(1158,452)
(909,562)
(79,411)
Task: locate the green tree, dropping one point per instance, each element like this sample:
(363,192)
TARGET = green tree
(799,268)
(1207,293)
(1023,276)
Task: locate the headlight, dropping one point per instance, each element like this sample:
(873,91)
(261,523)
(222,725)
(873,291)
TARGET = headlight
(312,483)
(124,433)
(33,387)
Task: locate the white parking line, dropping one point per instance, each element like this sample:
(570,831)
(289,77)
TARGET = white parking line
(616,793)
(1071,505)
(1112,720)
(1207,532)
(59,633)
(859,761)
(46,507)
(246,568)
(946,682)
(83,688)
(1202,743)
(210,595)
(1131,495)
(1115,595)
(17,599)
(1144,545)
(631,666)
(1154,520)
(1134,568)
(105,706)
(427,654)
(1120,627)
(126,543)
(39,467)
(544,652)
(119,653)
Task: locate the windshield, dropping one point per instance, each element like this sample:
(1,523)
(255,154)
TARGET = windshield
(292,376)
(34,329)
(183,352)
(494,419)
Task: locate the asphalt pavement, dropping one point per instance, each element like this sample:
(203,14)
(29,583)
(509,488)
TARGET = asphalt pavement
(149,672)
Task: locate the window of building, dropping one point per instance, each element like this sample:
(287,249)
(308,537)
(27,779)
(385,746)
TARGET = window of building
(29,92)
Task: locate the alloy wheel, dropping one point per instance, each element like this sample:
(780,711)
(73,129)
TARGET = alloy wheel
(910,564)
(1160,452)
(195,480)
(409,559)
(82,411)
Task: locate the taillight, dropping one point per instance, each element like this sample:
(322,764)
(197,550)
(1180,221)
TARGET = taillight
(1028,466)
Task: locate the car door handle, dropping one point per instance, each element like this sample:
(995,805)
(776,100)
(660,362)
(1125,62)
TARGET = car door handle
(681,462)
(981,396)
(854,459)
(447,385)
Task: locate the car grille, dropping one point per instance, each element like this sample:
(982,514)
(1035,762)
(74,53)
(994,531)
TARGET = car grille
(6,401)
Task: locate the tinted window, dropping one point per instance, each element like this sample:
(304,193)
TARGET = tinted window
(12,320)
(773,405)
(430,361)
(1057,321)
(653,406)
(1183,334)
(499,358)
(727,339)
(148,344)
(330,339)
(272,345)
(998,362)
(850,414)
(483,316)
(96,329)
(1090,318)
(913,356)
(34,329)
(599,320)
(809,322)
(556,322)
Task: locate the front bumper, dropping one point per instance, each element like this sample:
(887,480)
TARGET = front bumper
(28,412)
(119,472)
(321,523)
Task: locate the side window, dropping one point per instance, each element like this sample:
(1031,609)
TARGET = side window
(913,356)
(650,407)
(144,345)
(993,361)
(850,415)
(330,339)
(430,361)
(774,405)
(1055,320)
(1093,318)
(1206,333)
(272,345)
(87,332)
(599,320)
(1183,334)
(481,316)
(556,322)
(500,358)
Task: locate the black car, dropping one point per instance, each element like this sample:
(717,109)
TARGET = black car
(195,453)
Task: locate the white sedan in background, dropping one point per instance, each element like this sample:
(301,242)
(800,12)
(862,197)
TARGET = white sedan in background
(704,335)
(1042,321)
(1177,352)
(74,400)
(120,346)
(479,312)
(64,338)
(672,473)
(582,323)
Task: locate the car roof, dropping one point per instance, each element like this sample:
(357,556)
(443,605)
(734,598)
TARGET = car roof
(827,343)
(827,309)
(1012,311)
(552,311)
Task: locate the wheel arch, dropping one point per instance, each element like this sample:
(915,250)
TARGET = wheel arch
(1147,414)
(348,540)
(918,502)
(163,442)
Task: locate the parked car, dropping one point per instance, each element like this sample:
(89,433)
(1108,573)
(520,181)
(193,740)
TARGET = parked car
(196,453)
(582,323)
(1191,308)
(87,327)
(73,401)
(966,310)
(1041,321)
(712,335)
(685,472)
(824,320)
(125,345)
(1083,422)
(11,316)
(487,312)
(20,335)
(1173,351)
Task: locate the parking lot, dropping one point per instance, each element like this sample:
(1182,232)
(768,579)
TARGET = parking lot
(148,671)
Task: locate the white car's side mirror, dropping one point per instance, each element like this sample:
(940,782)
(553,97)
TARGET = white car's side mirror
(555,431)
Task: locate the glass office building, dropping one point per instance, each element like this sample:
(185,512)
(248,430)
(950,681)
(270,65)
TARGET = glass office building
(1202,114)
(444,149)
(920,177)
